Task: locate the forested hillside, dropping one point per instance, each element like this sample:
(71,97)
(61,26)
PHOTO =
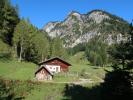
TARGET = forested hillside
(21,40)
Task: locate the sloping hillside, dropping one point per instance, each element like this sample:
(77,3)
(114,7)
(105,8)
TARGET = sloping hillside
(25,71)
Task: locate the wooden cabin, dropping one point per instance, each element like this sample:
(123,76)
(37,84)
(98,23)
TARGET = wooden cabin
(56,65)
(43,74)
(48,68)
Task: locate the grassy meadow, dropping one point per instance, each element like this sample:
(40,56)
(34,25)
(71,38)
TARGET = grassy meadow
(16,70)
(24,72)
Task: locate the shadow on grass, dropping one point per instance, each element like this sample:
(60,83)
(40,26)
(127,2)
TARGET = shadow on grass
(117,85)
(5,57)
(12,98)
(78,92)
(92,66)
(89,64)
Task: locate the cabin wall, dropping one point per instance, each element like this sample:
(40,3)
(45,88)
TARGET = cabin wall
(53,68)
(63,67)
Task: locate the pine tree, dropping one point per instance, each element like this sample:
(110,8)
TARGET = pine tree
(8,20)
(122,54)
(118,83)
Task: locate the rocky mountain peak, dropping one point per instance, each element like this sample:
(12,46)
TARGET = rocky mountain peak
(98,16)
(80,28)
(74,13)
(73,17)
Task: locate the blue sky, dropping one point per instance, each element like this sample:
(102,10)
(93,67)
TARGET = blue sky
(41,12)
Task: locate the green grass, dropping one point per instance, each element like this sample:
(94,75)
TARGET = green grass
(46,91)
(17,70)
(29,90)
(80,64)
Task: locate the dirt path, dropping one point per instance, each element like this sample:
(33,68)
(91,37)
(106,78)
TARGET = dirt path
(79,82)
(83,81)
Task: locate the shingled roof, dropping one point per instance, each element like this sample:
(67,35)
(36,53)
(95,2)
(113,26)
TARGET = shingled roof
(55,59)
(45,69)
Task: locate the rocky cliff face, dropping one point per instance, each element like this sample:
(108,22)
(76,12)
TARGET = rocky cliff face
(79,28)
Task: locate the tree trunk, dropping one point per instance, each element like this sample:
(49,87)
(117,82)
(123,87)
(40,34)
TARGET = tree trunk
(15,51)
(20,55)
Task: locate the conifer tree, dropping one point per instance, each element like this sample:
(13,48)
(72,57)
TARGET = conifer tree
(118,83)
(96,52)
(8,20)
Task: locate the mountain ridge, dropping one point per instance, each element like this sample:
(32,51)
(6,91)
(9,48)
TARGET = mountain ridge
(80,28)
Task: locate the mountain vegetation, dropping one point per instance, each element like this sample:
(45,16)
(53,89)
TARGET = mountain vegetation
(8,20)
(34,45)
(96,52)
(20,39)
(118,83)
(25,42)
